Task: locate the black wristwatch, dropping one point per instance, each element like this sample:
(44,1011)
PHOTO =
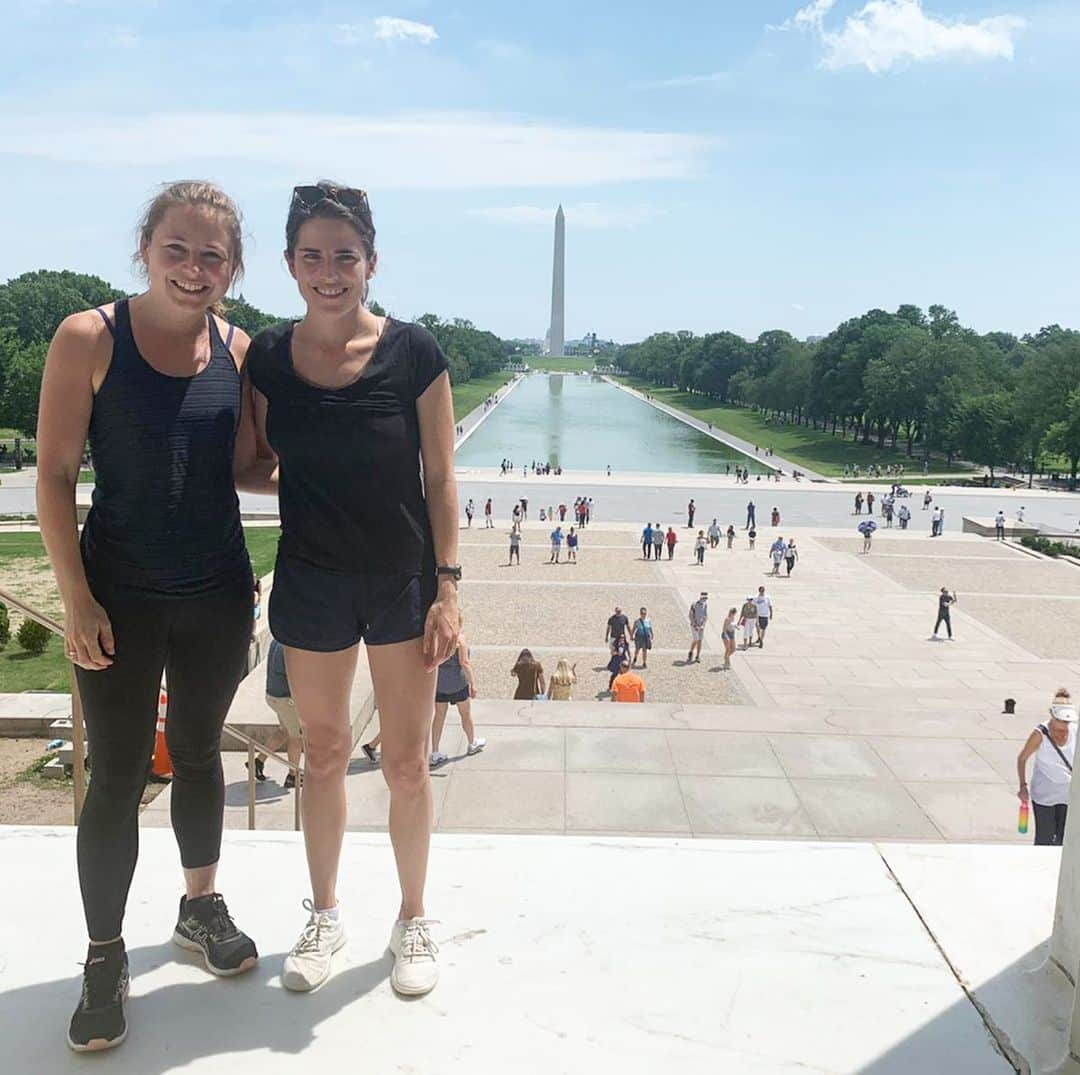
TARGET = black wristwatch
(453,570)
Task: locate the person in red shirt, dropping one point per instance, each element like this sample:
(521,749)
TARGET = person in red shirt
(627,686)
(672,538)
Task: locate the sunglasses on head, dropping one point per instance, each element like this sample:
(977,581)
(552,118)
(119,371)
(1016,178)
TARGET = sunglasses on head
(348,197)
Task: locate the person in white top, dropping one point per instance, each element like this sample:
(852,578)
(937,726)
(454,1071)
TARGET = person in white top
(764,614)
(999,525)
(1054,746)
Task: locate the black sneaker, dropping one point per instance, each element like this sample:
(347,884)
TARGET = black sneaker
(290,782)
(204,925)
(370,753)
(260,772)
(99,1021)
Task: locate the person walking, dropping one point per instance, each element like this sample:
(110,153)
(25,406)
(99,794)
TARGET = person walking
(935,522)
(556,544)
(714,534)
(905,516)
(627,686)
(727,633)
(791,554)
(748,621)
(941,522)
(775,517)
(699,548)
(858,503)
(752,538)
(530,676)
(489,523)
(455,685)
(279,699)
(571,546)
(999,525)
(776,554)
(470,510)
(945,601)
(515,546)
(646,542)
(690,509)
(927,500)
(1053,744)
(562,683)
(869,503)
(730,535)
(642,632)
(618,626)
(764,614)
(368,553)
(657,541)
(159,578)
(867,529)
(672,541)
(699,616)
(751,516)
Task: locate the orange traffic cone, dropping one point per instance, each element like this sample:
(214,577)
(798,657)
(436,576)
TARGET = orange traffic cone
(162,763)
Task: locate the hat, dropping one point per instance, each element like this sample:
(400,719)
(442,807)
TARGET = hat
(704,594)
(1066,713)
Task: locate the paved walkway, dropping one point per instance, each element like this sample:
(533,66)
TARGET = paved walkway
(563,955)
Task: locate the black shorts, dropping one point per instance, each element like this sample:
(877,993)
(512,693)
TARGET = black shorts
(763,623)
(455,698)
(313,608)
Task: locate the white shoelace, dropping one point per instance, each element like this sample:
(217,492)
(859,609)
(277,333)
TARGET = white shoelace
(416,942)
(309,939)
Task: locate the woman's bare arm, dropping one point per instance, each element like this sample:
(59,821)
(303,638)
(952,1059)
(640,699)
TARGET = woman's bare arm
(255,466)
(1029,748)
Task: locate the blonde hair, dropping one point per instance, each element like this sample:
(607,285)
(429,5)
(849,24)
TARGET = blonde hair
(564,674)
(195,194)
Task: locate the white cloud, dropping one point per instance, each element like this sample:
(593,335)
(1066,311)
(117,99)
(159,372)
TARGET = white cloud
(592,216)
(717,77)
(388,28)
(886,33)
(440,150)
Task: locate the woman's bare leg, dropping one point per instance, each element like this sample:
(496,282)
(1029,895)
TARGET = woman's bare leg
(406,694)
(437,725)
(465,709)
(321,685)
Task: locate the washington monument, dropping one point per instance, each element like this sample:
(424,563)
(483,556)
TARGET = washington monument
(557,332)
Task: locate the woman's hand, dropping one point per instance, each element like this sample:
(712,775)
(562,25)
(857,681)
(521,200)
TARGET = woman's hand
(88,635)
(441,628)
(1022,794)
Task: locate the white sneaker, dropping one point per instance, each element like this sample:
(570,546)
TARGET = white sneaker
(307,966)
(476,745)
(437,758)
(415,970)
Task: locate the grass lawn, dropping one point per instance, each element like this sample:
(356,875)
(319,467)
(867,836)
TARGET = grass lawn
(550,362)
(810,448)
(21,671)
(472,393)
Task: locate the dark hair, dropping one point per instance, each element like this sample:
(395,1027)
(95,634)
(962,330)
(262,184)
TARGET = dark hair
(330,208)
(525,660)
(197,194)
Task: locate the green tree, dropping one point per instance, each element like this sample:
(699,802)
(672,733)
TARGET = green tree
(34,304)
(22,387)
(1064,435)
(987,430)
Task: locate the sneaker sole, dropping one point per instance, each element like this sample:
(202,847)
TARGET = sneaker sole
(405,992)
(338,945)
(222,972)
(99,1045)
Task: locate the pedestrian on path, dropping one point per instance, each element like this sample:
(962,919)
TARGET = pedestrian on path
(646,542)
(556,544)
(935,522)
(999,525)
(752,537)
(699,616)
(470,510)
(515,546)
(748,621)
(561,685)
(775,518)
(571,546)
(858,503)
(279,699)
(927,500)
(627,686)
(791,554)
(489,523)
(516,516)
(867,529)
(714,534)
(751,515)
(530,676)
(1053,744)
(618,627)
(730,535)
(690,509)
(455,685)
(657,541)
(905,516)
(869,503)
(672,541)
(764,614)
(776,553)
(643,638)
(945,600)
(727,633)
(699,548)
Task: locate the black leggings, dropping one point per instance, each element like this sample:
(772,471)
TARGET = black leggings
(201,643)
(943,618)
(1050,824)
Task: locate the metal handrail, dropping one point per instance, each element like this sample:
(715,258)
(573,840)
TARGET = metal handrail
(78,731)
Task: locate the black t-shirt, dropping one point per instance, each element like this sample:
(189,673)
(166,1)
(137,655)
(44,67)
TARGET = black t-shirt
(351,494)
(944,600)
(617,625)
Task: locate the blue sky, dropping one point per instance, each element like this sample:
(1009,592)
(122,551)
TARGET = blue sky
(738,164)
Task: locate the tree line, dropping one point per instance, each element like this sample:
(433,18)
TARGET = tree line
(33,305)
(914,380)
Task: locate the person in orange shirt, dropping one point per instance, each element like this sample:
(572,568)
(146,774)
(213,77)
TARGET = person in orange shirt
(627,686)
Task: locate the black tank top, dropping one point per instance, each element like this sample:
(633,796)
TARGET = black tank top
(165,519)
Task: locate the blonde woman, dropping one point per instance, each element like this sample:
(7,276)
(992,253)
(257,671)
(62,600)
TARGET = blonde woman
(1053,744)
(561,686)
(727,633)
(455,686)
